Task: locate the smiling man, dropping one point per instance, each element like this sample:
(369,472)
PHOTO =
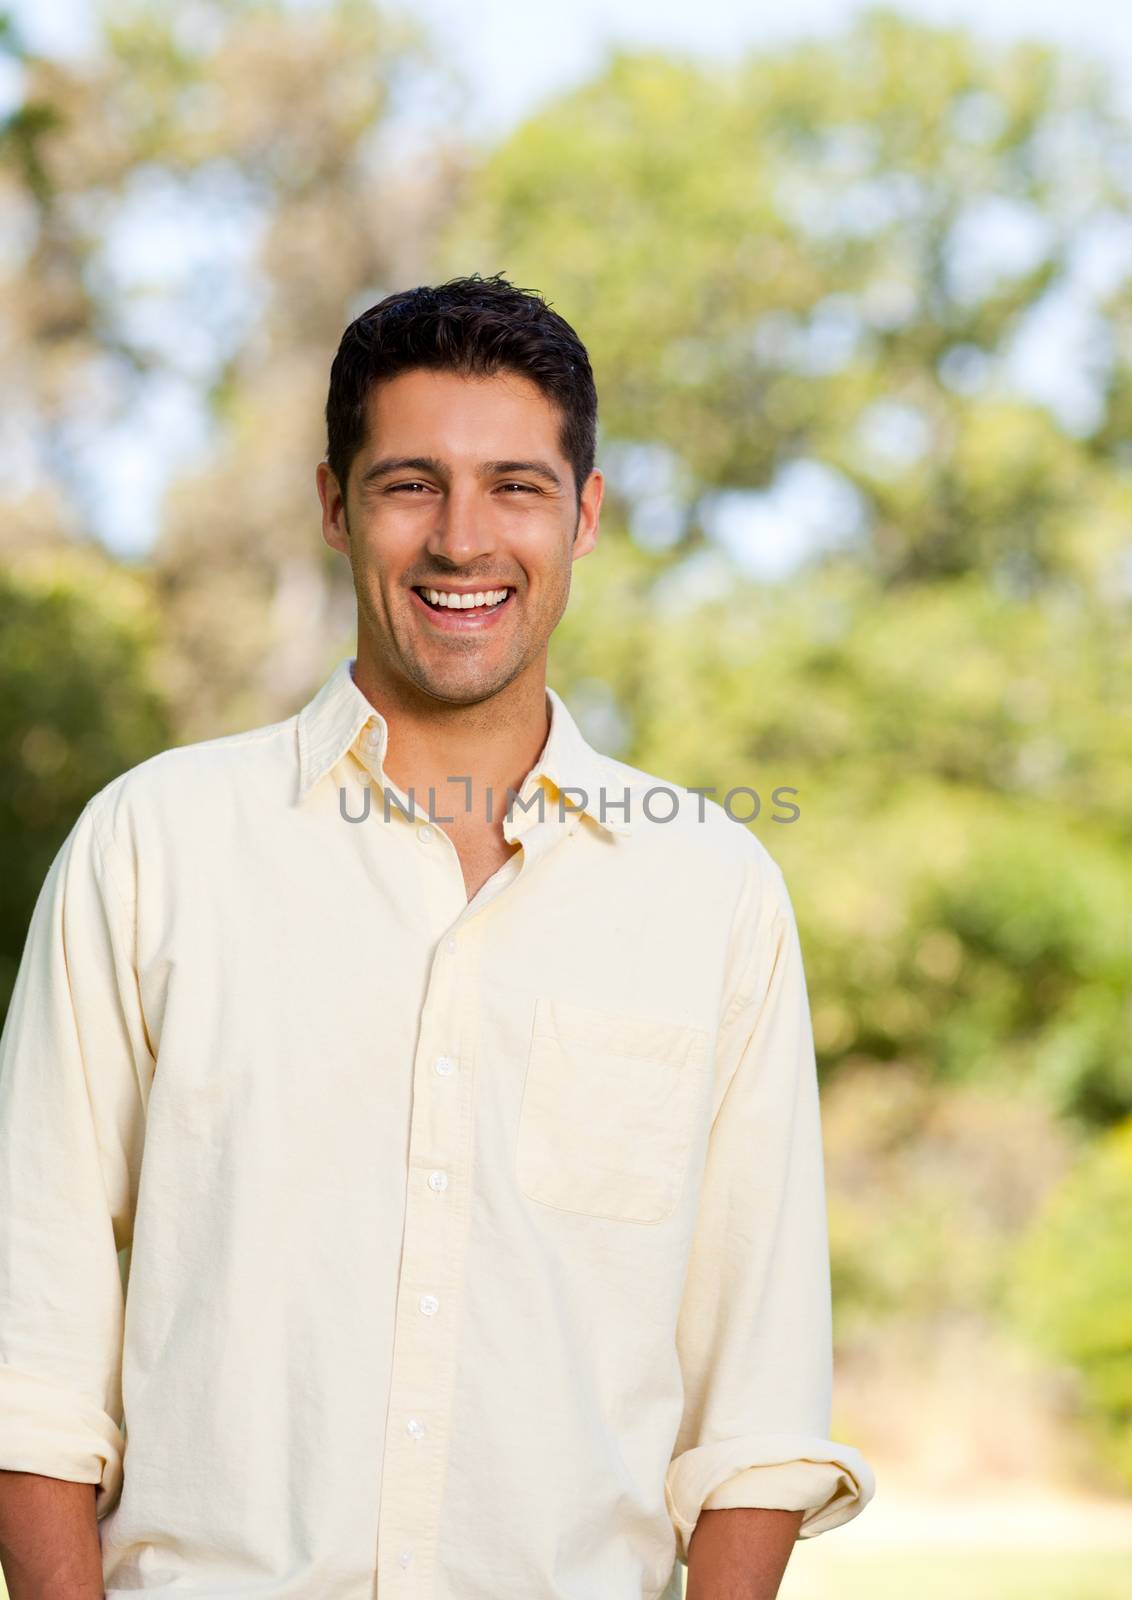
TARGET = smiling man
(422,1198)
(471,493)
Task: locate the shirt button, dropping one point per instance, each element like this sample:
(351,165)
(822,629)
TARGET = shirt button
(424,834)
(450,946)
(438,1180)
(405,1557)
(430,1305)
(416,1427)
(444,1065)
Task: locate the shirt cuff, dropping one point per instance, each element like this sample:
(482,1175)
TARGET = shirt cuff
(830,1482)
(54,1431)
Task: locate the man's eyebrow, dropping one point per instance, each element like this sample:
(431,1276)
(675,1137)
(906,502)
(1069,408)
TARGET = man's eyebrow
(489,469)
(401,464)
(538,469)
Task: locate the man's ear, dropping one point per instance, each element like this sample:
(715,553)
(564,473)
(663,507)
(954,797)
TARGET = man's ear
(335,522)
(589,510)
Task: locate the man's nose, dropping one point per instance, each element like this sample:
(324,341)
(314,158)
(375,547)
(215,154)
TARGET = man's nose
(463,527)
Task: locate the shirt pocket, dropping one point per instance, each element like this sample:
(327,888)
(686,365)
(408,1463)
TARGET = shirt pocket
(608,1111)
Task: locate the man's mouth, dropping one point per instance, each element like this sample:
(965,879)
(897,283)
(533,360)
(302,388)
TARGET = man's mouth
(478,601)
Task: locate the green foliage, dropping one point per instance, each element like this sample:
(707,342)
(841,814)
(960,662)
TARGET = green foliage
(792,261)
(828,253)
(1043,912)
(1071,1291)
(962,761)
(77,707)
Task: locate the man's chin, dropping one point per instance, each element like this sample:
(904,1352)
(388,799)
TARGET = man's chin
(457,688)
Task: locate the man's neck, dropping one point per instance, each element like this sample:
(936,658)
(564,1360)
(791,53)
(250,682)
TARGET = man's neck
(490,745)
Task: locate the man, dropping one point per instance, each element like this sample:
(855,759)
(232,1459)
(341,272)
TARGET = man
(450,1083)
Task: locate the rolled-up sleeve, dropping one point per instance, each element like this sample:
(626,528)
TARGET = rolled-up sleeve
(73,1069)
(755,1329)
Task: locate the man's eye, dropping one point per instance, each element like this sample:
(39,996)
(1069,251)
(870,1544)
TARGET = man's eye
(397,487)
(528,488)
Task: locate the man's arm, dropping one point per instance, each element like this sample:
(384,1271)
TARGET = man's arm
(49,1547)
(738,1554)
(754,1334)
(74,1062)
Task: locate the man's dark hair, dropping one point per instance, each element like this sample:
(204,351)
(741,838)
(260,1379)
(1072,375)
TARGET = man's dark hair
(473,326)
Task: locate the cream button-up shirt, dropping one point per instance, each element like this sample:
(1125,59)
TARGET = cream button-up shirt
(360,1240)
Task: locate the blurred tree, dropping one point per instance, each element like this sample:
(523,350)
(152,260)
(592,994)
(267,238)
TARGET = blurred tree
(961,761)
(814,284)
(191,211)
(844,253)
(1071,1292)
(77,706)
(196,211)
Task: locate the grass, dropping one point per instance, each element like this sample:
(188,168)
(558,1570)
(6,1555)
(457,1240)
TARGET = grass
(974,1574)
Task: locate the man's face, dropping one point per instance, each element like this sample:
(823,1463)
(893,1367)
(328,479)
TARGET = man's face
(461,488)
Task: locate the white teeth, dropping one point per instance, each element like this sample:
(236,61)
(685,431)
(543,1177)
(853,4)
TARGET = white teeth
(466,602)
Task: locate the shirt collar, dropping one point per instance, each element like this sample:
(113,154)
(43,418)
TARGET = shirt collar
(332,722)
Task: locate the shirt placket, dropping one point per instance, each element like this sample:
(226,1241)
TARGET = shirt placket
(434,1244)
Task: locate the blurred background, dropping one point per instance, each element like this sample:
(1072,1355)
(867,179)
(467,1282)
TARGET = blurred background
(857,286)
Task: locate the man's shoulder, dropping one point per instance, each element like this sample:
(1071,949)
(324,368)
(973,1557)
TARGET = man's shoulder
(667,816)
(185,779)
